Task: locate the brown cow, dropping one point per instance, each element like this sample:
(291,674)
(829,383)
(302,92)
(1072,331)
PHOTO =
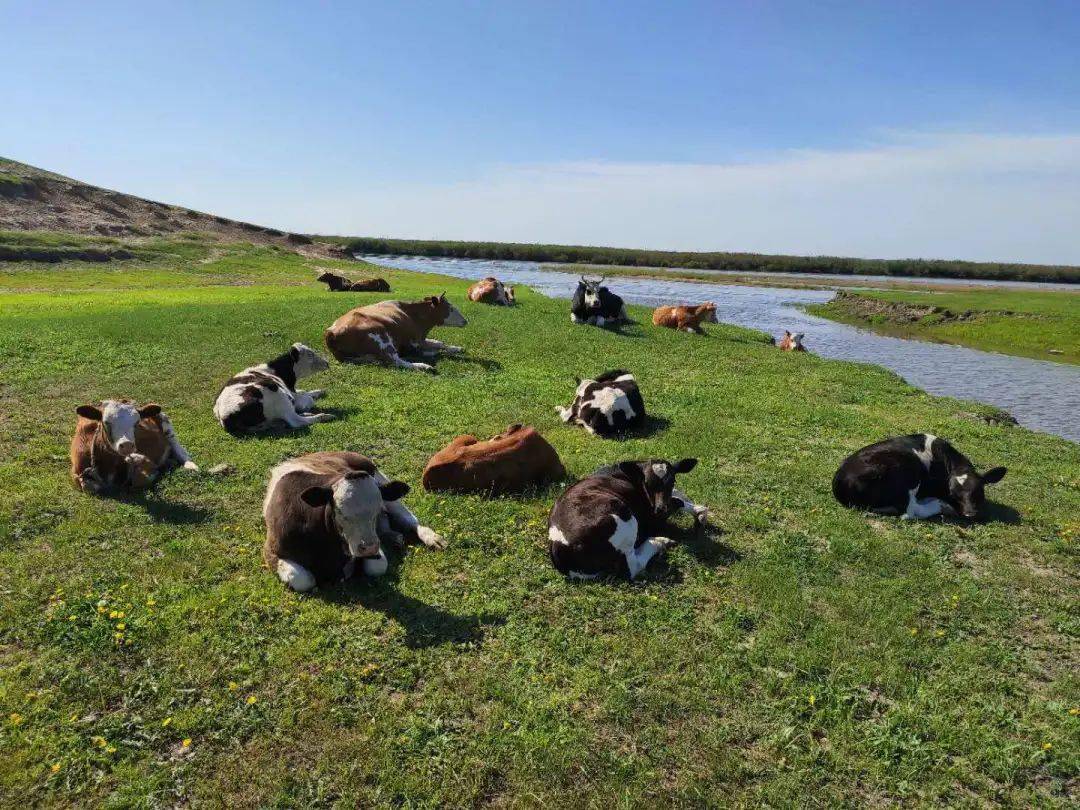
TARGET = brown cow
(510,462)
(338,283)
(791,343)
(120,445)
(381,333)
(492,291)
(685,319)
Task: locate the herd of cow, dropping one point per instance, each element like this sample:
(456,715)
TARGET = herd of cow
(326,511)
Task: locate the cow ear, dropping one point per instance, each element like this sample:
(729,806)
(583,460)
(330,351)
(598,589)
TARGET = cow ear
(316,496)
(294,353)
(149,409)
(442,295)
(800,336)
(994,475)
(685,465)
(89,412)
(394,490)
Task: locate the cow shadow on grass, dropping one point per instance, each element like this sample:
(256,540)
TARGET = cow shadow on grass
(652,426)
(424,625)
(629,329)
(162,511)
(280,430)
(993,512)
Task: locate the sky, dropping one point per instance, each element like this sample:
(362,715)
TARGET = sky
(878,129)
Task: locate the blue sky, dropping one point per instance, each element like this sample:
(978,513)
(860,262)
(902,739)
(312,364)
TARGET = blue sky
(945,129)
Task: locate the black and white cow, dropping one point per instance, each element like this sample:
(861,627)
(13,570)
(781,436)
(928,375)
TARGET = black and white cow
(263,396)
(608,405)
(611,522)
(913,476)
(596,305)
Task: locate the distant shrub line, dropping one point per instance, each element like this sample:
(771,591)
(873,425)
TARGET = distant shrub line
(573,254)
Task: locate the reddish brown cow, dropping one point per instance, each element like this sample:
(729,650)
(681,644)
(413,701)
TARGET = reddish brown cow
(492,291)
(510,462)
(120,445)
(791,343)
(338,283)
(685,319)
(381,333)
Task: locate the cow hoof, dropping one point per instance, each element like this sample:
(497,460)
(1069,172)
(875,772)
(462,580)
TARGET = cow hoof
(191,466)
(663,543)
(430,538)
(453,349)
(423,367)
(323,417)
(317,394)
(701,514)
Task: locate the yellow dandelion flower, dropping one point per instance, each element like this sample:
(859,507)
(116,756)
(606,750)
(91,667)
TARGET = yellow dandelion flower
(1047,746)
(100,609)
(914,631)
(114,614)
(119,614)
(186,742)
(166,722)
(73,718)
(55,767)
(233,686)
(251,699)
(1074,711)
(15,718)
(150,602)
(110,749)
(811,700)
(939,633)
(121,626)
(98,741)
(71,618)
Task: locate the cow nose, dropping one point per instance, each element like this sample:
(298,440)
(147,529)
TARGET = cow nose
(125,447)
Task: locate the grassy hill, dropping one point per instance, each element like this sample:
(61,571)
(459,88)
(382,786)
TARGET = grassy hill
(796,653)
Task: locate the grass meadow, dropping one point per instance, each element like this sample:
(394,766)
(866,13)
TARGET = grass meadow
(796,653)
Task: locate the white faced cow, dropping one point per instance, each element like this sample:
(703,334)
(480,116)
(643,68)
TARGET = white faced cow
(260,397)
(596,305)
(119,444)
(609,523)
(326,511)
(913,476)
(610,404)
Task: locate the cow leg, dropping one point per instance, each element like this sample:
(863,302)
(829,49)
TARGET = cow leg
(303,402)
(300,420)
(429,345)
(391,357)
(921,509)
(403,520)
(386,532)
(624,539)
(295,575)
(566,414)
(89,480)
(644,553)
(575,319)
(684,504)
(178,450)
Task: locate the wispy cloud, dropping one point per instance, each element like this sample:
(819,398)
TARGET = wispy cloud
(983,197)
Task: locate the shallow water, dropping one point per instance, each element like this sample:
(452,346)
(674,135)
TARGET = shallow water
(1041,395)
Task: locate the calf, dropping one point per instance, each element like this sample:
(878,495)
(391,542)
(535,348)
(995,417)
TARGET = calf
(492,291)
(608,405)
(381,333)
(266,395)
(118,444)
(608,522)
(791,343)
(913,476)
(510,462)
(325,511)
(685,319)
(338,283)
(596,305)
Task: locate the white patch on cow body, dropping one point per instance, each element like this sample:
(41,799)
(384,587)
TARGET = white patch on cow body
(611,400)
(555,535)
(700,513)
(624,538)
(295,575)
(926,455)
(624,378)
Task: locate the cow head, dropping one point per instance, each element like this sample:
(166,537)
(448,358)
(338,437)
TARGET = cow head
(967,490)
(592,291)
(509,295)
(356,500)
(326,277)
(657,477)
(448,314)
(118,419)
(707,311)
(306,361)
(792,342)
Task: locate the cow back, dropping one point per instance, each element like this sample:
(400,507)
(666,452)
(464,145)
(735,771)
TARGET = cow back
(509,462)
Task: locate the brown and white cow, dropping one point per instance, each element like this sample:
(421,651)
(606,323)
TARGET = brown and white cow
(791,343)
(381,333)
(120,445)
(491,291)
(326,511)
(685,319)
(510,462)
(338,283)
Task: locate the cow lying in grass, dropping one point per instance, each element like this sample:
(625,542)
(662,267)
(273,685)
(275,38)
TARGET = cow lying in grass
(913,476)
(260,397)
(611,522)
(120,445)
(685,319)
(610,404)
(791,342)
(381,333)
(596,305)
(510,462)
(338,283)
(491,291)
(326,511)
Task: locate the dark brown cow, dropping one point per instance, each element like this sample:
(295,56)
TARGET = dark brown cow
(510,462)
(491,291)
(381,333)
(119,445)
(338,283)
(685,319)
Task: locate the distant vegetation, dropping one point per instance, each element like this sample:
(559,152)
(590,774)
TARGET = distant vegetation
(758,262)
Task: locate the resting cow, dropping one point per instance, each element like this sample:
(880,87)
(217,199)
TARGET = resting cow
(260,397)
(913,476)
(791,342)
(325,511)
(118,444)
(338,283)
(492,291)
(610,522)
(381,333)
(610,404)
(685,319)
(596,305)
(510,462)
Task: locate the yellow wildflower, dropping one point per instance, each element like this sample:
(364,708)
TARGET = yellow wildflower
(110,749)
(1047,746)
(55,767)
(114,614)
(251,699)
(166,722)
(15,718)
(233,686)
(939,633)
(121,626)
(811,700)
(914,631)
(187,742)
(1074,711)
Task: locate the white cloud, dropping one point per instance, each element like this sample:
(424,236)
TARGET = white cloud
(982,197)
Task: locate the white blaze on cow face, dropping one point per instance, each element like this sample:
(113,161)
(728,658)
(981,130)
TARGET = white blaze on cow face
(592,297)
(357,506)
(306,361)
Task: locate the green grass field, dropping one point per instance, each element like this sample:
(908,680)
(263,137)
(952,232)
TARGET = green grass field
(1044,325)
(797,654)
